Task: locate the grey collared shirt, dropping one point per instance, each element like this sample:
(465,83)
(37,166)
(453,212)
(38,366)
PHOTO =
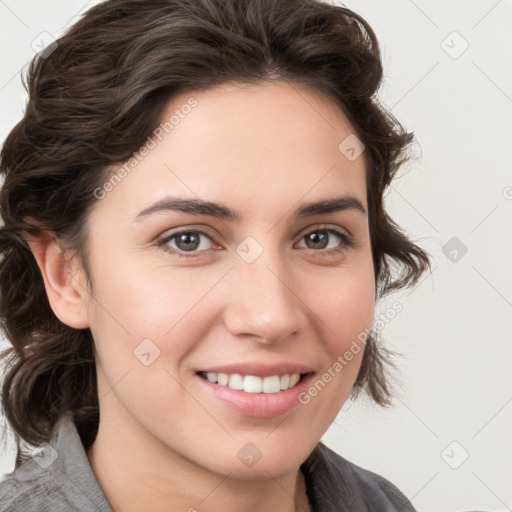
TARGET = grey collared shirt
(60,479)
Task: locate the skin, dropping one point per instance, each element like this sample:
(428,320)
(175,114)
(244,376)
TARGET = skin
(163,442)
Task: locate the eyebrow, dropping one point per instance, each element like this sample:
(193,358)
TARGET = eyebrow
(212,209)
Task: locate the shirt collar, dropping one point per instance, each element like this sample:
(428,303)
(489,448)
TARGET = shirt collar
(72,463)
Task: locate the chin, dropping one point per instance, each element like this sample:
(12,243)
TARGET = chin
(268,467)
(264,459)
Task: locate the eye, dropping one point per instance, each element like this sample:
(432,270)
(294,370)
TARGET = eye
(327,239)
(189,241)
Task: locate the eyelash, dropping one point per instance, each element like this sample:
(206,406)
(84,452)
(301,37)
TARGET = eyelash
(347,241)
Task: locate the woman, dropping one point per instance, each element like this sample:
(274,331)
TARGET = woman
(194,242)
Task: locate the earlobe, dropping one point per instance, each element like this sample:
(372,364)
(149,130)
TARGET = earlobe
(65,287)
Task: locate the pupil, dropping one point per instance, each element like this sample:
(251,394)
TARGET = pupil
(319,240)
(185,239)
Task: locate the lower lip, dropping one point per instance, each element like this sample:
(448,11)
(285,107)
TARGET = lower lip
(259,405)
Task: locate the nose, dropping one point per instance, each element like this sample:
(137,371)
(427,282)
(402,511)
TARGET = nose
(264,301)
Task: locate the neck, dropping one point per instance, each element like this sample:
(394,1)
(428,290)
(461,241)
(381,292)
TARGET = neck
(136,472)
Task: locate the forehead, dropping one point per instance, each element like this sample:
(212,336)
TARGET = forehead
(252,146)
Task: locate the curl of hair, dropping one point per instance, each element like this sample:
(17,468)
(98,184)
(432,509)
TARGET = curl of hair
(94,101)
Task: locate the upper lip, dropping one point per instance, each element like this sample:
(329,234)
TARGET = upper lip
(260,369)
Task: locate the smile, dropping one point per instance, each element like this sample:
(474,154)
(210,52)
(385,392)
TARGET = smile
(253,383)
(256,396)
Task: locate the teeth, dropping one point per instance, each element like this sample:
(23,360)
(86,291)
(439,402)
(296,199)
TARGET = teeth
(211,376)
(294,378)
(272,384)
(236,381)
(223,379)
(254,384)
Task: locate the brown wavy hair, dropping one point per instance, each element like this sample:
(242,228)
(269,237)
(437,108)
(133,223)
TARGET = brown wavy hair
(92,103)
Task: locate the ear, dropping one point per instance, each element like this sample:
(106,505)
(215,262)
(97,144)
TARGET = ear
(63,279)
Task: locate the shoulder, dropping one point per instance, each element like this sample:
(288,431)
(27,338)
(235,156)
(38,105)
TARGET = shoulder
(56,477)
(29,487)
(335,480)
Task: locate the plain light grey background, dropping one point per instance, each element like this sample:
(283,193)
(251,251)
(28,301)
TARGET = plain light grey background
(446,442)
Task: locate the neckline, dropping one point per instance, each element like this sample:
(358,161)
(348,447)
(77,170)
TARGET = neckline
(75,466)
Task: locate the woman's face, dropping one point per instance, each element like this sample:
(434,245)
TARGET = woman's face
(249,287)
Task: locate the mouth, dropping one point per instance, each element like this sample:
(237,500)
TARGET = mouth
(253,383)
(256,389)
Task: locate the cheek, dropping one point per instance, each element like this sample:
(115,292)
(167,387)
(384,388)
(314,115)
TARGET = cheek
(147,301)
(167,307)
(349,315)
(346,307)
